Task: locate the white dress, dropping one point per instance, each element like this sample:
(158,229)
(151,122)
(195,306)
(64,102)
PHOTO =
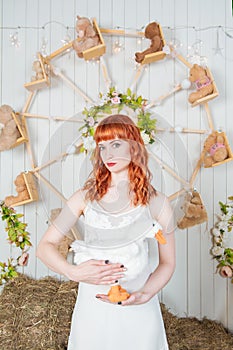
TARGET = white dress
(97,325)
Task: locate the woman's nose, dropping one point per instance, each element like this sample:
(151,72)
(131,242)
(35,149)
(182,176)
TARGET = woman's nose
(109,154)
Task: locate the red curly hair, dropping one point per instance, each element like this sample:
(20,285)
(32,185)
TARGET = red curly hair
(120,126)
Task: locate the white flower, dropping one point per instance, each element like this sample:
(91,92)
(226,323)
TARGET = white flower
(222,225)
(145,137)
(14,263)
(216,251)
(217,239)
(3,281)
(91,121)
(230,211)
(216,232)
(84,129)
(88,143)
(227,217)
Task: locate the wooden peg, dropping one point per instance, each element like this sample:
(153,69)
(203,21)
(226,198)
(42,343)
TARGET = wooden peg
(72,85)
(169,170)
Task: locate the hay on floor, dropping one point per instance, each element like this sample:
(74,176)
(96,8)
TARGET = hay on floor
(189,333)
(36,315)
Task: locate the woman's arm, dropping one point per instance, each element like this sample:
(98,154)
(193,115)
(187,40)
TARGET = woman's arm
(161,210)
(92,271)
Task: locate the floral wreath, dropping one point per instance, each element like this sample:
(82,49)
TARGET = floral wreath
(114,102)
(18,236)
(221,238)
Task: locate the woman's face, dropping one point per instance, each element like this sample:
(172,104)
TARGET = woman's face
(115,154)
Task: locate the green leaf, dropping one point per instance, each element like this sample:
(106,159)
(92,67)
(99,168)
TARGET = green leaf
(128,92)
(223,207)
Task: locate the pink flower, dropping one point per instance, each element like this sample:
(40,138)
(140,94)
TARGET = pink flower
(226,271)
(115,100)
(23,259)
(91,121)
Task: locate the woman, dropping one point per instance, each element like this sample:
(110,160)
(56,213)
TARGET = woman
(119,207)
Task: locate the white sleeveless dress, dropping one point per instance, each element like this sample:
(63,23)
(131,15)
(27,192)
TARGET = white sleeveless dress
(97,325)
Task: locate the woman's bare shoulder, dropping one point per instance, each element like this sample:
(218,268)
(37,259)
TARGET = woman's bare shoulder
(162,211)
(159,201)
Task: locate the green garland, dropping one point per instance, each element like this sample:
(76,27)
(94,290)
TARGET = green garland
(108,103)
(18,236)
(222,233)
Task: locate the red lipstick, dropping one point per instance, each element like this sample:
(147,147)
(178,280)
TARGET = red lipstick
(110,164)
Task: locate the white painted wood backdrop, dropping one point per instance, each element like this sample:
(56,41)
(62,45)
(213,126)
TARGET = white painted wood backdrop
(195,289)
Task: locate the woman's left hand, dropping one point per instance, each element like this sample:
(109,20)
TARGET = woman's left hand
(135,298)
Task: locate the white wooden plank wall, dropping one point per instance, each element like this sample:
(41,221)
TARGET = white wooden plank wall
(195,289)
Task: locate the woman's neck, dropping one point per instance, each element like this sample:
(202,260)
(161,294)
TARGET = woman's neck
(118,178)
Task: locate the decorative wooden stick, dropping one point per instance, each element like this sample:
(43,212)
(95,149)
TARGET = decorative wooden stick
(71,84)
(59,157)
(181,58)
(162,97)
(209,117)
(168,169)
(184,130)
(176,194)
(139,71)
(119,32)
(28,144)
(28,101)
(196,170)
(47,183)
(60,51)
(50,162)
(51,187)
(105,73)
(30,115)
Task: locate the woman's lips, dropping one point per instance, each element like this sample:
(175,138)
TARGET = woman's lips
(110,164)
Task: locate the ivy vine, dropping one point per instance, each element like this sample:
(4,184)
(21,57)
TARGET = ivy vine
(18,236)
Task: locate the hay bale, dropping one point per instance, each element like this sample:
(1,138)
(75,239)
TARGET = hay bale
(189,333)
(36,314)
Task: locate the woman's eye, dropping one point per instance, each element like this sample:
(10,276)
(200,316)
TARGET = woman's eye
(101,148)
(116,145)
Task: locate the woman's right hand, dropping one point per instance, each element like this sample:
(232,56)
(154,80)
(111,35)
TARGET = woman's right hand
(96,272)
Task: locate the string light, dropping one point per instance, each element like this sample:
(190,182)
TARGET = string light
(218,49)
(195,56)
(43,47)
(67,38)
(196,29)
(117,47)
(14,39)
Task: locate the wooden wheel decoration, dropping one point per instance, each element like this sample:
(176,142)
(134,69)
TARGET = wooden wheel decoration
(47,69)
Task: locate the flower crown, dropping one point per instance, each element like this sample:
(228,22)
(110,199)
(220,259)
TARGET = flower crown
(222,236)
(115,103)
